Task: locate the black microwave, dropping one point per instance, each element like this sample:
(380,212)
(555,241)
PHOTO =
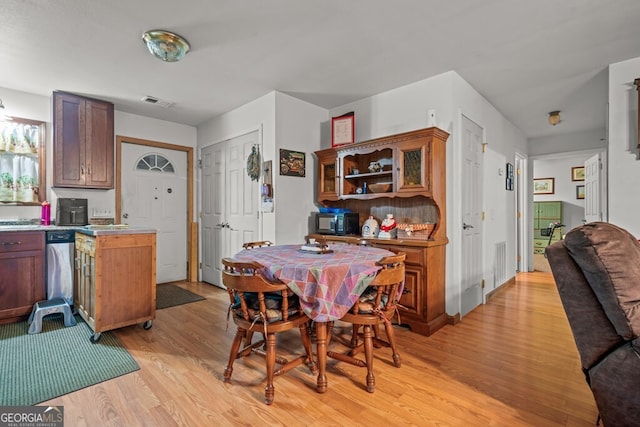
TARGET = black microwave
(339,224)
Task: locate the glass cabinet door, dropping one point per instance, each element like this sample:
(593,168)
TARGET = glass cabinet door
(328,175)
(413,161)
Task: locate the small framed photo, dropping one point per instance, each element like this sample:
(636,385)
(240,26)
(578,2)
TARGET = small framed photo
(577,173)
(509,184)
(292,163)
(579,192)
(543,186)
(510,170)
(343,130)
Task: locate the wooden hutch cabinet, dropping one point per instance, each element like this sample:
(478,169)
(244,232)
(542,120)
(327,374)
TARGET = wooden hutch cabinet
(22,273)
(404,175)
(83,144)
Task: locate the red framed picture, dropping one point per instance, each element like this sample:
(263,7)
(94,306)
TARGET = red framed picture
(343,130)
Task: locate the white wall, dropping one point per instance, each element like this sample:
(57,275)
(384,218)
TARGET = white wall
(37,107)
(404,109)
(298,127)
(624,165)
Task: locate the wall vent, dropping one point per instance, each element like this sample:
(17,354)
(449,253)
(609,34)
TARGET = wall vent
(155,101)
(500,264)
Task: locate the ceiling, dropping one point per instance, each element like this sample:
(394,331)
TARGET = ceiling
(526,57)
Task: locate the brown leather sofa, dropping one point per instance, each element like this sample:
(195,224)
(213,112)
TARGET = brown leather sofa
(597,272)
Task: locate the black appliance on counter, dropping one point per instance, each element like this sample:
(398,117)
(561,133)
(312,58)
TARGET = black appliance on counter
(338,223)
(72,212)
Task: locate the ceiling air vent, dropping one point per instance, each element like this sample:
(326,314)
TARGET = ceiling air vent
(156,101)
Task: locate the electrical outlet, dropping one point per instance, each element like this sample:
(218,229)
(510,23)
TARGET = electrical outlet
(102,213)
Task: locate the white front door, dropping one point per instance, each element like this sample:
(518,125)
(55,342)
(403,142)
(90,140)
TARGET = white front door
(230,202)
(154,194)
(471,262)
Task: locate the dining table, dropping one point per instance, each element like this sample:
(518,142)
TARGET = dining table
(327,281)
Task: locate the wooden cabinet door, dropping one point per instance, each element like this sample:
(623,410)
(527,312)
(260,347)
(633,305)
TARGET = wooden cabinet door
(68,140)
(551,211)
(22,274)
(412,163)
(411,299)
(83,142)
(328,175)
(415,284)
(99,144)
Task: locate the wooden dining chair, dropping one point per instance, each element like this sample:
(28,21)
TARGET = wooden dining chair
(251,245)
(377,306)
(259,305)
(259,244)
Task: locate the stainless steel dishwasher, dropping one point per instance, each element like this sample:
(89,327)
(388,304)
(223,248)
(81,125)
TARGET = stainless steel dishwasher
(60,256)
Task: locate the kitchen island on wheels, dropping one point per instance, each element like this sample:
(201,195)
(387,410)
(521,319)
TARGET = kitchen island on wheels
(114,280)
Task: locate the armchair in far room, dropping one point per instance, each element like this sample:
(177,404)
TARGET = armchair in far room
(597,272)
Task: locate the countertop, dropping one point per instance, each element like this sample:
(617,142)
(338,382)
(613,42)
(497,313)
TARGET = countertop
(91,230)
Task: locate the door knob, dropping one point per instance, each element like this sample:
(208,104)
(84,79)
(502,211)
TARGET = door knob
(125,215)
(466,226)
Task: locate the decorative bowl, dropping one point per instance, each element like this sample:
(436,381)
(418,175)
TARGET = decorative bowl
(382,187)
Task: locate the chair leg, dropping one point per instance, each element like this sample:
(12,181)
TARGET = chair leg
(329,332)
(391,337)
(368,355)
(354,336)
(306,342)
(233,354)
(269,390)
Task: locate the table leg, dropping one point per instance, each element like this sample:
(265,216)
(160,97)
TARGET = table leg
(321,348)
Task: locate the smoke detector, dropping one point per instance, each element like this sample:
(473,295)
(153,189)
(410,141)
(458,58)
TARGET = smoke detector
(156,101)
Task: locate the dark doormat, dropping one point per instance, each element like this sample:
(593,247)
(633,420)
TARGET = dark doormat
(168,295)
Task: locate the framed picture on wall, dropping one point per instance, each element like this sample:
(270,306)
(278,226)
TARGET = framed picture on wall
(577,173)
(543,185)
(343,130)
(579,191)
(292,163)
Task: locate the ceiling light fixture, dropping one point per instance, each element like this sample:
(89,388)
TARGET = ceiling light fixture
(166,46)
(554,118)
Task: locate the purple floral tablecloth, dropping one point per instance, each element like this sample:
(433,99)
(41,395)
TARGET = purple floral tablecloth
(328,285)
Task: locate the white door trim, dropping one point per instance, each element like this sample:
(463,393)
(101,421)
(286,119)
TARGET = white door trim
(191,231)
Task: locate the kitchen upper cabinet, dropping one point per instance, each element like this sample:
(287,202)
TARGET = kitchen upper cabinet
(83,142)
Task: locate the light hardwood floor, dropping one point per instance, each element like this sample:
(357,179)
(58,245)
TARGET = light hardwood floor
(511,362)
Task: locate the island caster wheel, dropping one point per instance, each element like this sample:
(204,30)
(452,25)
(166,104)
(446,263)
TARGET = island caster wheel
(95,337)
(147,325)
